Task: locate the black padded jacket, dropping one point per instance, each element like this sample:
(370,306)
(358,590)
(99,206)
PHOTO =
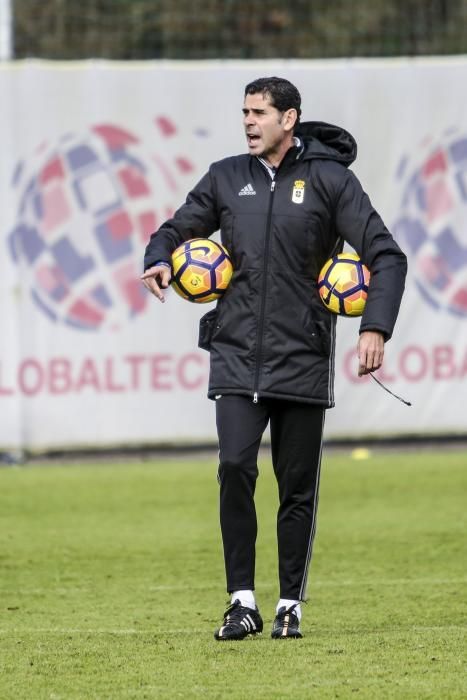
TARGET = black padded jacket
(270,335)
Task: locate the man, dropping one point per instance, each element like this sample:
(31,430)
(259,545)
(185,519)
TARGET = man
(283,209)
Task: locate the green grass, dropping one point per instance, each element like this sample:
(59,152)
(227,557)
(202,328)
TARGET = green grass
(112,583)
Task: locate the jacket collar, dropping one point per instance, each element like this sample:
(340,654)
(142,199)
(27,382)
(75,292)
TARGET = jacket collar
(294,153)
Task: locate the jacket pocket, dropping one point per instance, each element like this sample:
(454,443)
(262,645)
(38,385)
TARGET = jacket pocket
(207,325)
(324,337)
(318,335)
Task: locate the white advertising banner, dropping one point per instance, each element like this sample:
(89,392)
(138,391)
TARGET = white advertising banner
(95,155)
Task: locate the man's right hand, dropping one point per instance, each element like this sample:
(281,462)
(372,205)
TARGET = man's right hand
(157,278)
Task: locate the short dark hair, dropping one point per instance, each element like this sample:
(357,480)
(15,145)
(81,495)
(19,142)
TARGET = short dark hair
(281,92)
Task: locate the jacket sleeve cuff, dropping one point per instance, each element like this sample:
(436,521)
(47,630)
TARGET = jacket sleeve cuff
(384,332)
(158,262)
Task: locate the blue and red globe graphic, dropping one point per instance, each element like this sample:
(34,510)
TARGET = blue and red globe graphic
(87,206)
(432,225)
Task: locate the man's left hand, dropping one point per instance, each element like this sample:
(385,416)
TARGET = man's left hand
(370,351)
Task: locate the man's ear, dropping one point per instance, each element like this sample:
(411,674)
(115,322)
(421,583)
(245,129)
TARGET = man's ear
(289,119)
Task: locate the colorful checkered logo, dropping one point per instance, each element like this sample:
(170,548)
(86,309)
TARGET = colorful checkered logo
(86,208)
(432,222)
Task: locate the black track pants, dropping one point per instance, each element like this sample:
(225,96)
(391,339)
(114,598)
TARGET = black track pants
(296,441)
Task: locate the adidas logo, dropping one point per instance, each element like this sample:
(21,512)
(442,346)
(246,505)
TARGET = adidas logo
(248,189)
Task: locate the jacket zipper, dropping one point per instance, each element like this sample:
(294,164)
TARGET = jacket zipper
(259,345)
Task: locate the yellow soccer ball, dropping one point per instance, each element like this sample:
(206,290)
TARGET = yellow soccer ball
(201,270)
(343,284)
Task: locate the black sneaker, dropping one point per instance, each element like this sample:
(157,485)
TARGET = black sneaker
(239,622)
(286,624)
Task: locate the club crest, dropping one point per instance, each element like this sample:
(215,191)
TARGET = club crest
(298,192)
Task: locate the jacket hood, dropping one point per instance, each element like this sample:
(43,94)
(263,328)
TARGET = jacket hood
(327,141)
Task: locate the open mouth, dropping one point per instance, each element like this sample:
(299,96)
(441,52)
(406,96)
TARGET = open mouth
(252,139)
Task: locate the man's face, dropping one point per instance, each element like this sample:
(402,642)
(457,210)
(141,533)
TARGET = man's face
(267,130)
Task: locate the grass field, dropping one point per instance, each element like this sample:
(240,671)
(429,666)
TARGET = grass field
(112,583)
